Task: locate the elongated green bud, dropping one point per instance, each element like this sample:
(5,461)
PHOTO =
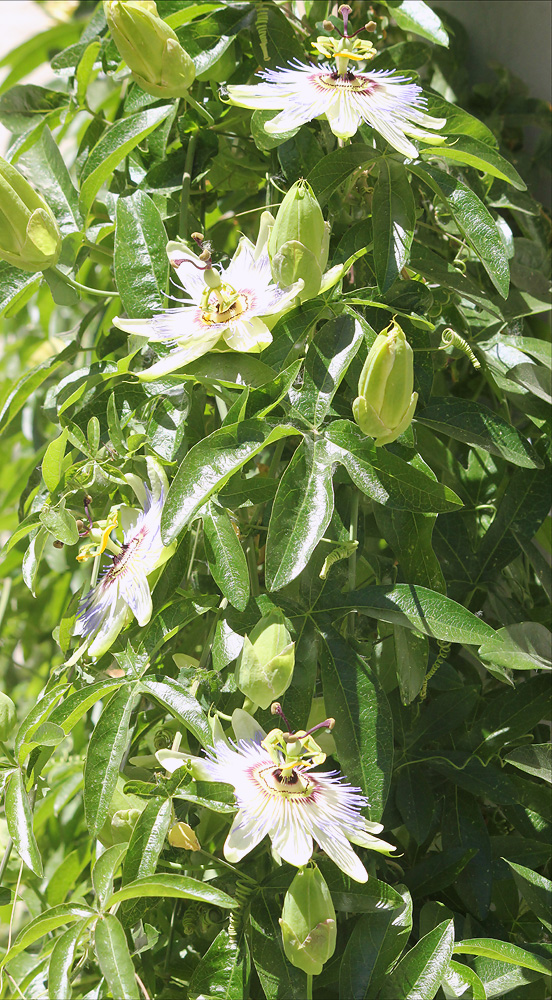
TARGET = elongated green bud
(385,404)
(265,665)
(29,234)
(8,716)
(308,922)
(299,240)
(150,48)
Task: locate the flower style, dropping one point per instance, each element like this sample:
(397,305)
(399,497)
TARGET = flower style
(392,105)
(225,309)
(279,796)
(123,588)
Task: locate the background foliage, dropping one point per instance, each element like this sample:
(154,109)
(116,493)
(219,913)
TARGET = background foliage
(429,641)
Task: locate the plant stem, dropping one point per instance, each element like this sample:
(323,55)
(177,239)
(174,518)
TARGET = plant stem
(187,175)
(5,858)
(82,288)
(353,530)
(309,987)
(252,566)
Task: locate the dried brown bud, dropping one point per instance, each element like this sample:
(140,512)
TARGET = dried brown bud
(198,237)
(58,544)
(370,26)
(80,524)
(205,255)
(328,26)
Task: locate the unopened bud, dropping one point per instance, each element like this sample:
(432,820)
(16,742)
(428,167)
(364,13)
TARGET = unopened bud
(198,237)
(80,524)
(150,48)
(8,716)
(29,234)
(328,26)
(385,404)
(182,835)
(123,823)
(205,255)
(265,665)
(308,922)
(370,26)
(299,240)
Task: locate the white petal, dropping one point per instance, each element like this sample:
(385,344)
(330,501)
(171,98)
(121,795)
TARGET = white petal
(330,278)
(262,96)
(246,727)
(109,629)
(251,335)
(290,839)
(337,848)
(177,359)
(135,590)
(343,117)
(139,327)
(245,834)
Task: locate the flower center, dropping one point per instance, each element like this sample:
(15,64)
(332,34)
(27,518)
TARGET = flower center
(121,560)
(296,784)
(224,309)
(346,81)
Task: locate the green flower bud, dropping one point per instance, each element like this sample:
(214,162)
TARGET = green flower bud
(150,48)
(265,665)
(29,234)
(308,922)
(8,716)
(123,823)
(385,404)
(123,814)
(299,241)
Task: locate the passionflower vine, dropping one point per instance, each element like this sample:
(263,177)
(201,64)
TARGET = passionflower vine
(392,105)
(279,795)
(226,307)
(123,589)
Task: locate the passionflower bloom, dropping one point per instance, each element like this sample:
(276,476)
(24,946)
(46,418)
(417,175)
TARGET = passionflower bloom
(279,795)
(123,589)
(392,105)
(226,307)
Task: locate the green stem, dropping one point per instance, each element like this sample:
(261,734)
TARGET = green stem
(252,566)
(309,987)
(353,531)
(187,175)
(82,288)
(5,858)
(8,754)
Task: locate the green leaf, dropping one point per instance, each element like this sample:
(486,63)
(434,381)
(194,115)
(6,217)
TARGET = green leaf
(500,978)
(459,122)
(330,353)
(38,714)
(534,759)
(114,958)
(50,920)
(334,168)
(414,607)
(536,890)
(74,706)
(279,979)
(104,871)
(116,142)
(385,477)
(420,972)
(19,818)
(15,285)
(503,951)
(376,942)
(474,220)
(477,154)
(60,523)
(301,512)
(415,802)
(438,870)
(52,461)
(268,140)
(417,17)
(140,259)
(409,535)
(175,886)
(61,961)
(394,221)
(36,50)
(208,467)
(223,971)
(524,646)
(106,748)
(521,510)
(146,843)
(464,828)
(180,703)
(458,978)
(363,731)
(476,425)
(225,556)
(45,167)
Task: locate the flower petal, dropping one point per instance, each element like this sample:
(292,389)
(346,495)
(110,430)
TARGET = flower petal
(250,336)
(291,840)
(245,834)
(343,116)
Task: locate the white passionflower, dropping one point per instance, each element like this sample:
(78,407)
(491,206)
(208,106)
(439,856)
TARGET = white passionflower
(123,589)
(225,309)
(391,105)
(279,796)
